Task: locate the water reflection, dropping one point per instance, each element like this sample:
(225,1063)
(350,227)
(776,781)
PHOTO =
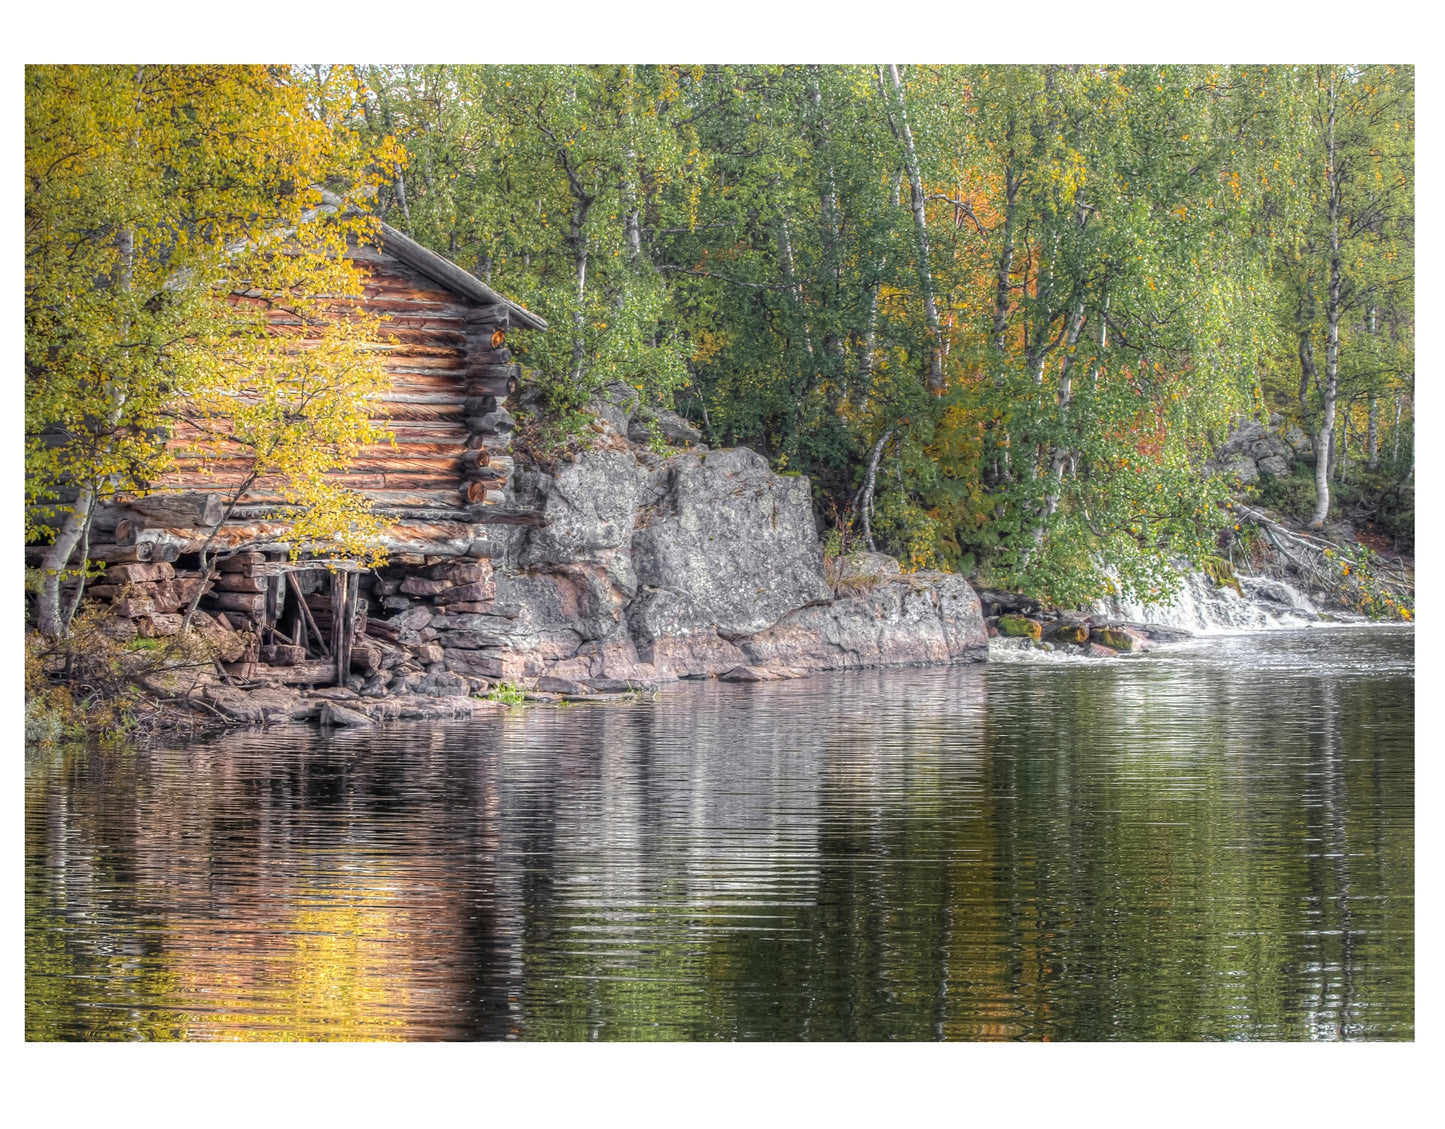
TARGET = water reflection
(1213,842)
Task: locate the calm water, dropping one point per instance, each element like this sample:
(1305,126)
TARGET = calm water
(1210,843)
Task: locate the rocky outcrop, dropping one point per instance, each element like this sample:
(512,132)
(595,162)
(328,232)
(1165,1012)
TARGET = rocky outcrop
(1253,449)
(652,568)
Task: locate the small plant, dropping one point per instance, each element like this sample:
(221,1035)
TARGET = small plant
(90,682)
(1220,573)
(504,693)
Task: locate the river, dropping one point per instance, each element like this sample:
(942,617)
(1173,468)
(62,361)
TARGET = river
(1211,841)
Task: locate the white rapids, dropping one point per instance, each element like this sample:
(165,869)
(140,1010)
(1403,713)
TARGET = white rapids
(1204,609)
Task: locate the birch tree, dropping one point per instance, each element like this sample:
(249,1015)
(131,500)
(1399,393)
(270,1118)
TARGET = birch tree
(151,194)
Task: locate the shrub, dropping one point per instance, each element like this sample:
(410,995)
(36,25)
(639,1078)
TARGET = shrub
(1292,494)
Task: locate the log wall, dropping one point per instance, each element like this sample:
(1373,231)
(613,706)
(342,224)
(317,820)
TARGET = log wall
(444,404)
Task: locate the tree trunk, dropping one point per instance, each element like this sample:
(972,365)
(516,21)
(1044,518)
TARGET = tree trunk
(1066,397)
(794,288)
(1372,431)
(48,618)
(1372,434)
(1332,347)
(1399,405)
(866,507)
(1308,373)
(1343,462)
(1004,289)
(920,223)
(578,238)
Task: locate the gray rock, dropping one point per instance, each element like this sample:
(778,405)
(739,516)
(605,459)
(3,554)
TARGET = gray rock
(333,693)
(616,403)
(1269,446)
(864,562)
(412,620)
(269,704)
(1241,467)
(723,544)
(1297,439)
(652,568)
(552,685)
(1274,465)
(443,684)
(332,714)
(927,617)
(742,673)
(1239,440)
(675,429)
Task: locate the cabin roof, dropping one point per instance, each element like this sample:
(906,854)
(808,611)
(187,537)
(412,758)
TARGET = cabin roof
(444,272)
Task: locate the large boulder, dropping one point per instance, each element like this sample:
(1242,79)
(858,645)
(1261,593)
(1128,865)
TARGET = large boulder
(724,543)
(651,568)
(926,617)
(1239,441)
(671,426)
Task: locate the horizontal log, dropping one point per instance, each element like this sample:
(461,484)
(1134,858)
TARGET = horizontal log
(240,582)
(483,492)
(486,370)
(487,315)
(404,515)
(312,673)
(419,362)
(139,573)
(241,562)
(381,301)
(239,601)
(480,405)
(120,553)
(412,449)
(499,515)
(489,385)
(192,509)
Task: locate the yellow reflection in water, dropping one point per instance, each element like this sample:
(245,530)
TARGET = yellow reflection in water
(341,967)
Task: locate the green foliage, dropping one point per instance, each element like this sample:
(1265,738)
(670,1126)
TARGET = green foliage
(1220,573)
(506,694)
(90,682)
(1292,495)
(169,212)
(739,242)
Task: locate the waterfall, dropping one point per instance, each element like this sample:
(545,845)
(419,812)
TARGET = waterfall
(1204,609)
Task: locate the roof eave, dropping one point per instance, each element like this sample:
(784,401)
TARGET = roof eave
(454,278)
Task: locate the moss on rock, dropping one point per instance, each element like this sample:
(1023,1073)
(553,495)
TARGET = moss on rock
(1112,638)
(1017,625)
(1075,633)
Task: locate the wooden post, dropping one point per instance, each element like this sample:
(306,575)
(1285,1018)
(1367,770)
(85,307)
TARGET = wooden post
(305,612)
(340,582)
(353,581)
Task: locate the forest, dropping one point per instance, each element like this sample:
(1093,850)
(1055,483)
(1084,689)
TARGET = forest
(998,315)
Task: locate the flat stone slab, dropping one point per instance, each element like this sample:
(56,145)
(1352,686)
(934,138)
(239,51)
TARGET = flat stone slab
(332,714)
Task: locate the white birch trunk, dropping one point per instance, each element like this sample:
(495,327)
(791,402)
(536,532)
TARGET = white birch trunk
(1332,349)
(920,223)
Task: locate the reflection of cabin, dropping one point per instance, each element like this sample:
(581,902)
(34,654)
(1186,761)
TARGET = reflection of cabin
(441,484)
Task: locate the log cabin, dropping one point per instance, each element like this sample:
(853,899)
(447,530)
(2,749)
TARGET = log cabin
(440,487)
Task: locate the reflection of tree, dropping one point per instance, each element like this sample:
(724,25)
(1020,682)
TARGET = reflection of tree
(1018,853)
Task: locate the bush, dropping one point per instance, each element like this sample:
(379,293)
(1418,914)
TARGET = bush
(90,682)
(1292,495)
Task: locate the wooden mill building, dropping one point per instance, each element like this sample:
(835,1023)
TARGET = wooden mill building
(441,485)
